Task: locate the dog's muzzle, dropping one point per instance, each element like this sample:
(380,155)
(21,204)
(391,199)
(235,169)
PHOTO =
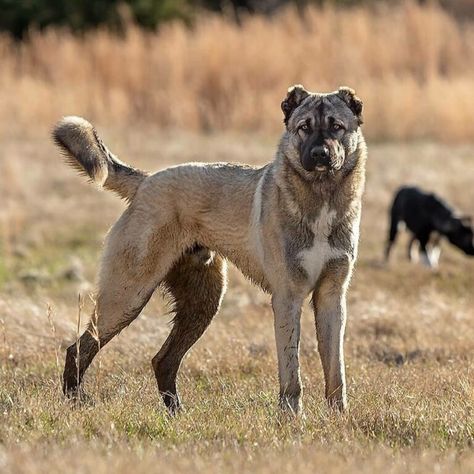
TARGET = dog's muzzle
(318,159)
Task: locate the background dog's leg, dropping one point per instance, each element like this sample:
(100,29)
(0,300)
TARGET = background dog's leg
(424,255)
(434,255)
(435,249)
(197,284)
(287,311)
(388,249)
(329,301)
(410,252)
(392,233)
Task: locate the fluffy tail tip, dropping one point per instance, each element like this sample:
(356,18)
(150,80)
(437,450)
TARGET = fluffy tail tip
(69,129)
(77,139)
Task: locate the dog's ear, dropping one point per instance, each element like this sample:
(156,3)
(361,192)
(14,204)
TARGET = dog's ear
(296,94)
(355,104)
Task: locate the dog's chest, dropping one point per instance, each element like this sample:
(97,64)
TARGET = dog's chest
(314,258)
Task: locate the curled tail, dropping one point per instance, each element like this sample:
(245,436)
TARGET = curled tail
(85,152)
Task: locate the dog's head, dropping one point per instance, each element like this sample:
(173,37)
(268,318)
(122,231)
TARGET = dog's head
(322,130)
(461,234)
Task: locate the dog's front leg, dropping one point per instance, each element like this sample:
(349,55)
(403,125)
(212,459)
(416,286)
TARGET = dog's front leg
(287,312)
(329,301)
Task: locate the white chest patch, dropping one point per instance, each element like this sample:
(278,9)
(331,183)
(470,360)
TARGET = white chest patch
(314,258)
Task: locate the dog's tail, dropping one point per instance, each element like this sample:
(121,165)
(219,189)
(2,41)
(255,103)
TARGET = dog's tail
(85,152)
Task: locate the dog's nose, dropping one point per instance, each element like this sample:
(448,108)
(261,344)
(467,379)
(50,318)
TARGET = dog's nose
(320,155)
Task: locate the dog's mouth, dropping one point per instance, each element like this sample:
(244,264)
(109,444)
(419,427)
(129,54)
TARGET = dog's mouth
(321,170)
(321,166)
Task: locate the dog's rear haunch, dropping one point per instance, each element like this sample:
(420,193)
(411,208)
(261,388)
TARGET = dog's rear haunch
(291,227)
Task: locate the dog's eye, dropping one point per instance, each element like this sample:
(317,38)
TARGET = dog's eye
(304,127)
(337,126)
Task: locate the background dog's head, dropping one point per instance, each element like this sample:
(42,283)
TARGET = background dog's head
(460,232)
(322,130)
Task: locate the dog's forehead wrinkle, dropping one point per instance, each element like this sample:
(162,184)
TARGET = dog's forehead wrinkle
(325,109)
(307,103)
(320,107)
(312,109)
(302,114)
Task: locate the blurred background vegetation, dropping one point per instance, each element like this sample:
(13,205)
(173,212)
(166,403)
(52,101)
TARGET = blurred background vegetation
(19,16)
(227,63)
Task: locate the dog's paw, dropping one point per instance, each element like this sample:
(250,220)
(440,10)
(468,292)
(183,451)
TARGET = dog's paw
(291,404)
(172,403)
(337,404)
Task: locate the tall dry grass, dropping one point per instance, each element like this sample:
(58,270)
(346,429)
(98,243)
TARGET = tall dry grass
(413,66)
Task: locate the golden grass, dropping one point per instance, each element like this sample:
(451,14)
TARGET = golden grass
(409,345)
(412,65)
(410,335)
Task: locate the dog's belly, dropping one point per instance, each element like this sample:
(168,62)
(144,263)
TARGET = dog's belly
(248,265)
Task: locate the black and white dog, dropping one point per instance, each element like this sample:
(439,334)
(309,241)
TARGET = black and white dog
(429,219)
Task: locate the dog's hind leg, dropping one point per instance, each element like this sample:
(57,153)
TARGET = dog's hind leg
(410,252)
(424,254)
(434,256)
(435,250)
(109,318)
(197,284)
(392,234)
(131,270)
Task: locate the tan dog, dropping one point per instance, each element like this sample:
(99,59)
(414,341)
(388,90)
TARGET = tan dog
(292,227)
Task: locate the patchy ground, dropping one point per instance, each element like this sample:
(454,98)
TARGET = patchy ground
(409,344)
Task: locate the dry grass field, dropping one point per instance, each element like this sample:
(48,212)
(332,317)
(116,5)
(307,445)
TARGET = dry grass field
(409,62)
(409,344)
(213,94)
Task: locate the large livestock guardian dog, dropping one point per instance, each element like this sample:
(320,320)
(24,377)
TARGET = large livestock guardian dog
(292,227)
